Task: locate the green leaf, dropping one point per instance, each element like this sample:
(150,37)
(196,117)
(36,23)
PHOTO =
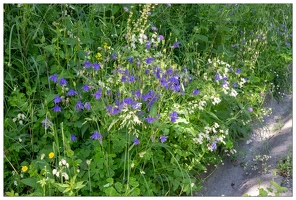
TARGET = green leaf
(201,37)
(30,182)
(50,48)
(133,182)
(118,186)
(153,110)
(111,192)
(110,180)
(79,185)
(262,192)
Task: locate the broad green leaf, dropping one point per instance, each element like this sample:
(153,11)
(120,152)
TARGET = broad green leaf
(111,192)
(30,182)
(201,37)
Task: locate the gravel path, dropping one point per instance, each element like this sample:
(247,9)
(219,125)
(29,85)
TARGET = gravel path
(257,158)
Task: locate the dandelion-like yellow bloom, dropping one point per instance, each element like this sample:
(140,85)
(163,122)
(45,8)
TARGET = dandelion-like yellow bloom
(99,56)
(51,155)
(24,168)
(106,46)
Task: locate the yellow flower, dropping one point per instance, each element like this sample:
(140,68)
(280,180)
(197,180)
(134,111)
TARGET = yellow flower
(99,56)
(24,168)
(106,46)
(51,155)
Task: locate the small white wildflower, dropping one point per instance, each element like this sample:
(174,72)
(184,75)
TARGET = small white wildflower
(65,175)
(42,156)
(67,165)
(88,162)
(20,139)
(78,170)
(132,165)
(64,162)
(22,175)
(58,174)
(13,172)
(14,119)
(54,171)
(21,122)
(15,183)
(142,172)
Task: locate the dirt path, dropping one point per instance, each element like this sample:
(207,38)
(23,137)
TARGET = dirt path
(257,159)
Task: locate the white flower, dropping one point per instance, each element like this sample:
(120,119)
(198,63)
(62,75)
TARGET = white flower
(21,122)
(64,162)
(20,139)
(54,171)
(42,156)
(15,183)
(67,165)
(65,175)
(58,174)
(88,162)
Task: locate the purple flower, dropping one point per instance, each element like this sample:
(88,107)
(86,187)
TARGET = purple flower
(128,100)
(131,59)
(160,37)
(136,105)
(169,4)
(288,44)
(176,45)
(113,56)
(235,46)
(163,138)
(234,85)
(85,88)
(54,78)
(57,99)
(217,77)
(96,66)
(73,137)
(57,108)
(150,119)
(154,28)
(214,145)
(123,79)
(131,79)
(63,82)
(238,71)
(149,60)
(87,64)
(98,94)
(148,44)
(174,116)
(46,123)
(79,106)
(87,105)
(244,41)
(96,135)
(136,141)
(195,92)
(72,92)
(250,109)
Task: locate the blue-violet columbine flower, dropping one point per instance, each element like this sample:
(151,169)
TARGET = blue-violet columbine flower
(150,119)
(79,106)
(250,109)
(63,82)
(96,135)
(72,92)
(96,66)
(54,78)
(195,92)
(73,137)
(85,88)
(87,105)
(46,123)
(136,141)
(174,116)
(98,94)
(57,99)
(163,138)
(57,108)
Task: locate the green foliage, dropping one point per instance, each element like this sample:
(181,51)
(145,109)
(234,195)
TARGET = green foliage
(150,99)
